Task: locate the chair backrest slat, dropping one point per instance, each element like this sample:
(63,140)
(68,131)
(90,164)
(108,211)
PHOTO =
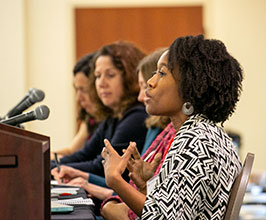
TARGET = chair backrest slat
(239,189)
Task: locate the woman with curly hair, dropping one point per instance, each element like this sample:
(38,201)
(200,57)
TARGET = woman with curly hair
(197,84)
(116,89)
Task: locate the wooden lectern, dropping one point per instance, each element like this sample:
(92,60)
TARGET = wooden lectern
(24,174)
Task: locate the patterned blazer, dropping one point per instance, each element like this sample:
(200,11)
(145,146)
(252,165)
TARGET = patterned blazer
(196,176)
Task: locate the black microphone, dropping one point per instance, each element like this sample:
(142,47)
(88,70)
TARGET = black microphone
(33,96)
(40,113)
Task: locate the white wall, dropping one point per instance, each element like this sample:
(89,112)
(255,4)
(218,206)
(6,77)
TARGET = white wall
(51,59)
(12,54)
(37,50)
(240,24)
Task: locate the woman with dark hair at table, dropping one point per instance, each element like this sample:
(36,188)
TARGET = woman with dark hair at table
(114,88)
(197,84)
(88,117)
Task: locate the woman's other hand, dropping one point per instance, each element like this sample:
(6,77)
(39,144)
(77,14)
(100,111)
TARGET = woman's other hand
(67,173)
(141,171)
(79,181)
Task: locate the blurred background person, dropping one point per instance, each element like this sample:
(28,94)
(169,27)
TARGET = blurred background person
(116,89)
(88,118)
(158,137)
(156,124)
(145,70)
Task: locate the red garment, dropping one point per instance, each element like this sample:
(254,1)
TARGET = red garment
(159,145)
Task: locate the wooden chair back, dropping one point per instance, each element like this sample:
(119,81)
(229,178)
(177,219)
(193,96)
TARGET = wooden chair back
(239,189)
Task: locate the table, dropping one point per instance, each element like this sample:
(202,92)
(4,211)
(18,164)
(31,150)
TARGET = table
(81,212)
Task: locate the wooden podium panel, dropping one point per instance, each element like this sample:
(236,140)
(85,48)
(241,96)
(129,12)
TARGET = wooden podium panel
(24,174)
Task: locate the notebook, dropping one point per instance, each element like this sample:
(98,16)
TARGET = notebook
(76,201)
(55,183)
(60,190)
(59,207)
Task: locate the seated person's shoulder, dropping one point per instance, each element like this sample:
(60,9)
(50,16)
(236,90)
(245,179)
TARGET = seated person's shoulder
(139,108)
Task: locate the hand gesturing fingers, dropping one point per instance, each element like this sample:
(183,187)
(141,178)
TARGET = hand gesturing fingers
(114,164)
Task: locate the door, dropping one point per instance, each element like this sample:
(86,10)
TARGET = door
(149,27)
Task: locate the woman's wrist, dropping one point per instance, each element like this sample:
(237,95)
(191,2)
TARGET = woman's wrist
(114,181)
(143,189)
(82,174)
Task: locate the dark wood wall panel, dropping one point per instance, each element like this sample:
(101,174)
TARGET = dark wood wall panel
(148,28)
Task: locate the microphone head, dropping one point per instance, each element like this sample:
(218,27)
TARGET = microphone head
(36,95)
(41,112)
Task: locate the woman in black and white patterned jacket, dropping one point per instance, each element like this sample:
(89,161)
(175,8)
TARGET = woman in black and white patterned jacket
(197,84)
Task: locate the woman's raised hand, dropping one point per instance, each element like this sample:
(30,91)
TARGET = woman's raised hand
(141,171)
(114,164)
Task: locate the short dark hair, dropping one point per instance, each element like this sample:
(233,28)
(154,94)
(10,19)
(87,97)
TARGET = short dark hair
(209,77)
(84,64)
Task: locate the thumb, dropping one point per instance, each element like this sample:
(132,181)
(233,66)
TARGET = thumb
(156,161)
(62,172)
